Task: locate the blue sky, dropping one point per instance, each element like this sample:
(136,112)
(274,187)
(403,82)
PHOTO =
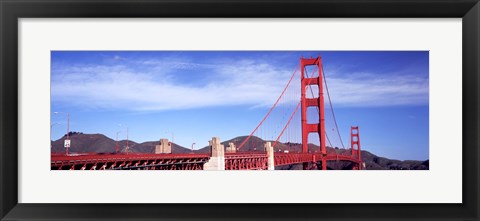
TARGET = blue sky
(196,95)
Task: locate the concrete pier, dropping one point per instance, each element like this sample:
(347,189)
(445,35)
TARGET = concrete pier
(163,147)
(269,150)
(231,148)
(217,160)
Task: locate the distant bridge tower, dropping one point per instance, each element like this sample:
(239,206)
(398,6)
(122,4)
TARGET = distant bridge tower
(313,102)
(355,142)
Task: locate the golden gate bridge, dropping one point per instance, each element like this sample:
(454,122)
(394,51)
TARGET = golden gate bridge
(282,128)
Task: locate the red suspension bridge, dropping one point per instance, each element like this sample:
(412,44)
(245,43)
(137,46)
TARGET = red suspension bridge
(283,128)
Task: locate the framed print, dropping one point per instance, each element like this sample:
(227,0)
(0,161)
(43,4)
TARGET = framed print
(287,110)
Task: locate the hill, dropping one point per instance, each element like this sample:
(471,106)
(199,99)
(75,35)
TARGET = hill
(372,161)
(99,143)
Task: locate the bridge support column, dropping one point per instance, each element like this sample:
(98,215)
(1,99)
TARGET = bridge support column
(231,148)
(355,145)
(269,149)
(315,101)
(163,147)
(217,160)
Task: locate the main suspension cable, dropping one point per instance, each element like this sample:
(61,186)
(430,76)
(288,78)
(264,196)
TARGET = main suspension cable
(271,109)
(331,107)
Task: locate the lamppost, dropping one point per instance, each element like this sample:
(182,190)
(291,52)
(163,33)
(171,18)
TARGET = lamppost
(116,142)
(192,146)
(51,126)
(127,147)
(67,140)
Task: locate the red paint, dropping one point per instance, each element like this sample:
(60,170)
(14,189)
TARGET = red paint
(233,161)
(313,102)
(355,143)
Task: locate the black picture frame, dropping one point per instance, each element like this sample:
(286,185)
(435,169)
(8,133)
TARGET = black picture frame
(12,10)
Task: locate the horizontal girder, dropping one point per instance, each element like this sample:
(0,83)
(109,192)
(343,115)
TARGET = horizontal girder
(233,161)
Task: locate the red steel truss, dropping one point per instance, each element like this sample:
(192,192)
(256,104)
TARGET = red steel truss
(129,161)
(293,158)
(233,161)
(246,161)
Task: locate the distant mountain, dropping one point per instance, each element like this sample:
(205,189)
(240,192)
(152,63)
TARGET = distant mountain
(372,161)
(99,143)
(149,147)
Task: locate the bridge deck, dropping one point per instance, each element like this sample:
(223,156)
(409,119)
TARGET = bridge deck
(233,161)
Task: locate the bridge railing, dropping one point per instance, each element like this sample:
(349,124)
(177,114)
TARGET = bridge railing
(129,156)
(245,155)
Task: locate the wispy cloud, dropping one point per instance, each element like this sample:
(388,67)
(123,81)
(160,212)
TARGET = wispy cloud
(369,90)
(123,87)
(150,85)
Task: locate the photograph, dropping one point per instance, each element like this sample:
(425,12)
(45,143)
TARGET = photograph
(239,110)
(353,110)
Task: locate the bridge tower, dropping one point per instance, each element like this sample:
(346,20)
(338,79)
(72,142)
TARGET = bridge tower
(313,102)
(355,144)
